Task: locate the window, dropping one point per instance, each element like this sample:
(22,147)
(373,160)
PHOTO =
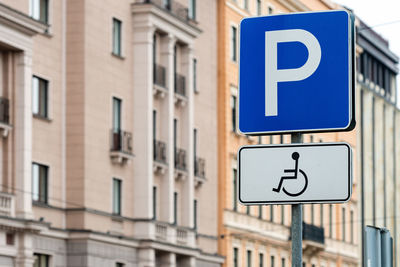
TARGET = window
(271,213)
(248,210)
(154,125)
(192,9)
(154,202)
(260,211)
(233,43)
(10,240)
(175,207)
(40,182)
(261,260)
(39,10)
(260,139)
(270,10)
(272,261)
(281,139)
(312,213)
(282,214)
(258,7)
(235,257)
(234,178)
(117,196)
(195,214)
(352,227)
(194,148)
(117,25)
(39,97)
(344,224)
(119,264)
(41,260)
(167,4)
(233,112)
(246,4)
(321,215)
(330,220)
(283,262)
(117,103)
(195,76)
(249,258)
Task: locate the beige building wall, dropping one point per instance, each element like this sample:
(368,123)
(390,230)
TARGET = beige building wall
(76,142)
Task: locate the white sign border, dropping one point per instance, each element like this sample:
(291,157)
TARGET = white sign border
(330,201)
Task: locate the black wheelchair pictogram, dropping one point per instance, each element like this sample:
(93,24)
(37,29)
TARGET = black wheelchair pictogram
(296,171)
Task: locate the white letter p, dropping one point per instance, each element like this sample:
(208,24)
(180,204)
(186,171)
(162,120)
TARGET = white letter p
(273,75)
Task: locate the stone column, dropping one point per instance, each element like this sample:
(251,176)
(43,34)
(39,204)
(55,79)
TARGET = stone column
(142,46)
(146,257)
(23,135)
(24,257)
(167,189)
(188,192)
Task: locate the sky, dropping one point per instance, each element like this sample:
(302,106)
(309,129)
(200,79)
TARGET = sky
(384,17)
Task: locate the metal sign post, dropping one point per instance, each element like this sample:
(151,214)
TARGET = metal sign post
(297,224)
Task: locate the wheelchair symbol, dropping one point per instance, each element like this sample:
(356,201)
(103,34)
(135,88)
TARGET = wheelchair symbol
(296,171)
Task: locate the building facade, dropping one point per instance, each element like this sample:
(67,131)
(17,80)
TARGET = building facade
(260,235)
(378,132)
(107,109)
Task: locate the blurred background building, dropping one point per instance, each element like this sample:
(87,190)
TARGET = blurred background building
(108,147)
(260,235)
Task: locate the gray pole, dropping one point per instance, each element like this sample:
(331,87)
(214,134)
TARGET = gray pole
(297,224)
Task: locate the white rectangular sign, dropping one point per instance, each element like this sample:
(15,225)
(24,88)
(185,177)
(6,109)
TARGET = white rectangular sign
(295,173)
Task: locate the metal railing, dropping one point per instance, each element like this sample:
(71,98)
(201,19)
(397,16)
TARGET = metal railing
(180,159)
(200,167)
(313,233)
(159,75)
(176,9)
(121,141)
(159,151)
(4,110)
(180,84)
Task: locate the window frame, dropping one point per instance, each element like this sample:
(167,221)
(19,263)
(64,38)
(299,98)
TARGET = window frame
(192,9)
(233,43)
(117,199)
(39,256)
(40,97)
(116,37)
(35,10)
(40,182)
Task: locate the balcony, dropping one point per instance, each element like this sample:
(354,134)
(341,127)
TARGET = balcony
(159,80)
(172,7)
(199,171)
(121,146)
(180,89)
(5,116)
(313,237)
(180,163)
(6,204)
(159,156)
(173,234)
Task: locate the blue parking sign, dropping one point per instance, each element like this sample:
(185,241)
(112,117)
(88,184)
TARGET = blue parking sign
(297,73)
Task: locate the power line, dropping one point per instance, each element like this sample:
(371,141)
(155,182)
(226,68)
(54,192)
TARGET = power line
(378,25)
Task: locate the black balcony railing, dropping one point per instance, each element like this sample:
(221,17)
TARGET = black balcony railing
(159,75)
(180,159)
(160,151)
(4,110)
(180,84)
(313,233)
(176,9)
(200,167)
(121,141)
